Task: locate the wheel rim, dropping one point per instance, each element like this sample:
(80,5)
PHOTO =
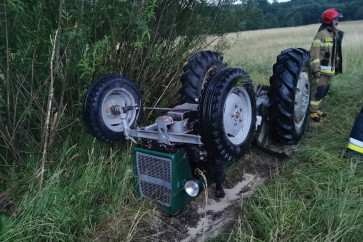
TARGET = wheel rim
(237,116)
(302,96)
(118,97)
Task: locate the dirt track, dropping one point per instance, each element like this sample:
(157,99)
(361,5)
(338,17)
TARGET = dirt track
(203,218)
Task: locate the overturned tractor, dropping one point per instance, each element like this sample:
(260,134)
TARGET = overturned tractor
(221,113)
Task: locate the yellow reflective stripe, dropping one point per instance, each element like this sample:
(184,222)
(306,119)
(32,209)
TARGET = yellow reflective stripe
(315,103)
(355,148)
(315,61)
(328,40)
(326,44)
(328,71)
(316,42)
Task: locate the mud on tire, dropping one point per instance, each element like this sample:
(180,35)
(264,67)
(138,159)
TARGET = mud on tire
(199,68)
(289,95)
(104,93)
(227,114)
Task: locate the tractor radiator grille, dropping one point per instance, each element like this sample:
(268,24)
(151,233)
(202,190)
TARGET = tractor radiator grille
(155,177)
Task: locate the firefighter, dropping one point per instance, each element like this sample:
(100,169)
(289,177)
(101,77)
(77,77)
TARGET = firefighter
(355,144)
(326,59)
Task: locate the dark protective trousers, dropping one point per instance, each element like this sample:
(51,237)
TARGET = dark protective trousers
(319,89)
(355,144)
(219,173)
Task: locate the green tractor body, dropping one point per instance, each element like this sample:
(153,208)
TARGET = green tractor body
(161,177)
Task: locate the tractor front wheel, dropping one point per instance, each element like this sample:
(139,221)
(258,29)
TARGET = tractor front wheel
(99,104)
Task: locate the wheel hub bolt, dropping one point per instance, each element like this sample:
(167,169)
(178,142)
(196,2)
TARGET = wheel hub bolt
(115,109)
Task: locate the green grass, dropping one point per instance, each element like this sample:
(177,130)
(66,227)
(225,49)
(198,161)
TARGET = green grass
(91,183)
(310,200)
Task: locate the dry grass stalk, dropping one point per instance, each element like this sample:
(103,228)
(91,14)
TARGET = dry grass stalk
(48,135)
(49,108)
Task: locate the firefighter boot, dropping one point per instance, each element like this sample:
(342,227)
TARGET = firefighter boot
(315,117)
(321,114)
(219,191)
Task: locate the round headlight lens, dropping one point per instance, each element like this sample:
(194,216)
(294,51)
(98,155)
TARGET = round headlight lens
(192,188)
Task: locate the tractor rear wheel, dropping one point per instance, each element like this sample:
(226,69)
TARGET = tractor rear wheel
(289,95)
(197,71)
(99,105)
(227,114)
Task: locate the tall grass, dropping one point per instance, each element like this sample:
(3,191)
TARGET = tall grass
(90,183)
(317,193)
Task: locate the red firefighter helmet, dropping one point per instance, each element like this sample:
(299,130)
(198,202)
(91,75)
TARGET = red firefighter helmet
(329,15)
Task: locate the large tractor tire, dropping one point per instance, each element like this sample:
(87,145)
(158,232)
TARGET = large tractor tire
(99,100)
(227,114)
(289,95)
(197,71)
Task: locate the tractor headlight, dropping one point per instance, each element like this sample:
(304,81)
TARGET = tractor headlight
(192,187)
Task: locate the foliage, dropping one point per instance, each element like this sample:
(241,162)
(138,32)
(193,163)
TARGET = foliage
(76,42)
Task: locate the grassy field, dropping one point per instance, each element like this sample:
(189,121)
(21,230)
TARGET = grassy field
(317,193)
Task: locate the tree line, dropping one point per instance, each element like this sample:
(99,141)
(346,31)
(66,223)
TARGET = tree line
(260,14)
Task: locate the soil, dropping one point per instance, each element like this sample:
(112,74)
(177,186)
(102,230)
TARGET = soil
(206,216)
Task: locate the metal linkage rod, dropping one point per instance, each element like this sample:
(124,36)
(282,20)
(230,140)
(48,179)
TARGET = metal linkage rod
(118,109)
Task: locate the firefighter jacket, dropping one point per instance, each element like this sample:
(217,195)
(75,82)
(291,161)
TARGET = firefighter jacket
(355,144)
(326,52)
